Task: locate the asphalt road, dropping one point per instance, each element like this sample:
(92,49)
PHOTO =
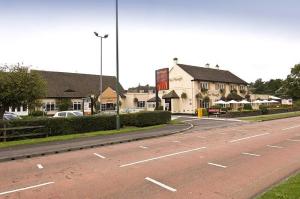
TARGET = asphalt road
(233,160)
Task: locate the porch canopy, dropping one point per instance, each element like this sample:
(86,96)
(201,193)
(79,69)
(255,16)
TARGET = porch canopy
(171,95)
(153,99)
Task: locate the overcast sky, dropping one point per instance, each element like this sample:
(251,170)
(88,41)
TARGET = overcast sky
(252,38)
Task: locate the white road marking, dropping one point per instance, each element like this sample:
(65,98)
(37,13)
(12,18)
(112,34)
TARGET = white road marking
(25,188)
(143,147)
(190,120)
(293,140)
(217,165)
(160,157)
(100,156)
(161,184)
(291,127)
(176,141)
(245,138)
(251,154)
(222,119)
(40,166)
(273,146)
(201,137)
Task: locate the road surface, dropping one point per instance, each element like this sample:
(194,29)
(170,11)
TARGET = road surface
(216,159)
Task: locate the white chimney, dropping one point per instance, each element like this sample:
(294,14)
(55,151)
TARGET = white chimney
(175,60)
(217,67)
(207,65)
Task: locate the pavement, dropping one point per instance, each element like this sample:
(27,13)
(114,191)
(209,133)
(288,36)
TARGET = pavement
(216,159)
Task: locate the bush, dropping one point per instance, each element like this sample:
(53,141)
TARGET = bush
(264,109)
(248,107)
(159,108)
(73,125)
(143,119)
(37,113)
(216,107)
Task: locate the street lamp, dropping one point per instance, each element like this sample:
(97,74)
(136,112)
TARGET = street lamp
(101,86)
(117,65)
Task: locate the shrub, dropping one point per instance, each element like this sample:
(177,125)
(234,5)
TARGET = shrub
(64,104)
(143,119)
(264,109)
(248,107)
(73,125)
(159,108)
(37,113)
(183,95)
(216,106)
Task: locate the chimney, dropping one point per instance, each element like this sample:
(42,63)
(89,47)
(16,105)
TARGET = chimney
(207,65)
(175,60)
(217,67)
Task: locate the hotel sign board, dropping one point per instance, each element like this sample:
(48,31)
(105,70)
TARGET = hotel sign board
(162,79)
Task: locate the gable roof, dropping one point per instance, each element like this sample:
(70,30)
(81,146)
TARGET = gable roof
(75,85)
(171,95)
(139,88)
(210,74)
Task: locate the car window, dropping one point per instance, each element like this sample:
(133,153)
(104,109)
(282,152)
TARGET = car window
(70,115)
(78,113)
(62,114)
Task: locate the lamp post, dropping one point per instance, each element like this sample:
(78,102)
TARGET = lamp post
(92,104)
(117,65)
(101,85)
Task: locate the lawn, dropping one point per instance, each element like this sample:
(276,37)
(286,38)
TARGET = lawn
(271,117)
(289,189)
(74,136)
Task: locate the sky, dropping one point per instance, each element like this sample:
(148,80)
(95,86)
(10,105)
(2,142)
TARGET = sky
(251,38)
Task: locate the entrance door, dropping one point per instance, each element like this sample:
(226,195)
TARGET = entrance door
(168,104)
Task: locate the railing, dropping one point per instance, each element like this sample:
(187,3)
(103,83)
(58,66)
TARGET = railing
(5,135)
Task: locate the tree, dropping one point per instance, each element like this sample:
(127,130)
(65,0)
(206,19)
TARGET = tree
(19,86)
(64,104)
(291,86)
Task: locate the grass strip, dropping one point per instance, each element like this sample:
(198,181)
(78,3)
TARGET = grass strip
(271,117)
(288,189)
(75,136)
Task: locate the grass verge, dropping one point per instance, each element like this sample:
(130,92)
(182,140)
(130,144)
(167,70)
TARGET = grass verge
(289,189)
(270,117)
(75,136)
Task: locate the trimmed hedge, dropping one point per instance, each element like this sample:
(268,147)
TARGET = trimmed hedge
(259,112)
(73,125)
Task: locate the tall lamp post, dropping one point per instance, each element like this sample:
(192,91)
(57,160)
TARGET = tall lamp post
(117,65)
(101,85)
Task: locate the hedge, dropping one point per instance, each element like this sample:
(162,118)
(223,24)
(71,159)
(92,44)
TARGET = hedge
(259,112)
(73,125)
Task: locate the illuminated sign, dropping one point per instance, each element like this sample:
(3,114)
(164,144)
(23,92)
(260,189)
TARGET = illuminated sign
(162,79)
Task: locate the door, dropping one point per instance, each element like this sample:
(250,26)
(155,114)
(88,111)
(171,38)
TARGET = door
(168,104)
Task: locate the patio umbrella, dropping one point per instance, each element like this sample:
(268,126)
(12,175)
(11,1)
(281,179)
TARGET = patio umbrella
(220,102)
(265,101)
(257,102)
(273,101)
(244,102)
(232,102)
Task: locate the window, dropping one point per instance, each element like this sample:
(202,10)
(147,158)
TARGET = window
(204,85)
(76,106)
(242,87)
(141,104)
(19,109)
(220,86)
(24,107)
(62,114)
(205,104)
(232,87)
(50,106)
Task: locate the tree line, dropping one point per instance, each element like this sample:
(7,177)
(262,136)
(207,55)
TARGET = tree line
(284,88)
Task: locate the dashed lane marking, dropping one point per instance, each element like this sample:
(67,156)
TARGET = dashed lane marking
(251,154)
(25,188)
(100,156)
(40,166)
(160,157)
(273,146)
(246,138)
(293,127)
(160,184)
(217,165)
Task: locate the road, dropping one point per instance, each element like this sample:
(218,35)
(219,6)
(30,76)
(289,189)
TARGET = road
(216,159)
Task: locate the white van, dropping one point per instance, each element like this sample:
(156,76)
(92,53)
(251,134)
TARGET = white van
(68,114)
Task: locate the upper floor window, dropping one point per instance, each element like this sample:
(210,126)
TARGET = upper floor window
(220,86)
(204,85)
(242,87)
(232,87)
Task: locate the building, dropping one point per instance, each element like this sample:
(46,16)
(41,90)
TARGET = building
(79,89)
(192,87)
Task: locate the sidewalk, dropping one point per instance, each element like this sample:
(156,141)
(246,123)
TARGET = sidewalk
(28,151)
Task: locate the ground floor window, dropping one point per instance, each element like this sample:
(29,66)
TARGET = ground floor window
(108,107)
(141,104)
(50,106)
(76,106)
(203,104)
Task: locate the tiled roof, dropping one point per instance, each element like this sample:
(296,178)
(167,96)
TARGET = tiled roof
(75,85)
(171,94)
(153,99)
(210,74)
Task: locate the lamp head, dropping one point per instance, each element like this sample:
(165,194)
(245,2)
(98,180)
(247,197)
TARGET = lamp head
(105,36)
(97,35)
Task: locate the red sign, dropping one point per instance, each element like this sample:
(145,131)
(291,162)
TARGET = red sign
(162,79)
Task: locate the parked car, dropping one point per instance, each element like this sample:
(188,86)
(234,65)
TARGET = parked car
(11,116)
(68,114)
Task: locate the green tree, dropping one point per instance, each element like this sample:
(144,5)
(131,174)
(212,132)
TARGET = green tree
(19,86)
(291,86)
(64,104)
